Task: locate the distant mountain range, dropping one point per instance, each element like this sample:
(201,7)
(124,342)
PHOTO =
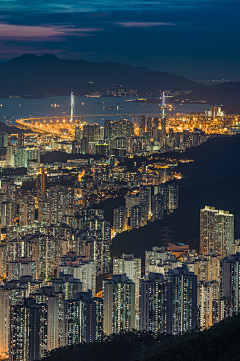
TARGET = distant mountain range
(47,75)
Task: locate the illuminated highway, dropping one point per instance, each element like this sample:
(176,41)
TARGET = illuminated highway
(64,126)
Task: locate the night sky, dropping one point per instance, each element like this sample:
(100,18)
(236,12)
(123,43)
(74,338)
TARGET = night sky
(197,39)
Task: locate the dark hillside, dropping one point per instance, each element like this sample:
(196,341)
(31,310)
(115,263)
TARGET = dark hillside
(219,343)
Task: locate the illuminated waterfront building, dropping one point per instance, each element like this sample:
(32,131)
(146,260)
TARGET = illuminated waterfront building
(118,304)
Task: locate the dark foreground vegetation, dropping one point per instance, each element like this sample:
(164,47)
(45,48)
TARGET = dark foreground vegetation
(219,343)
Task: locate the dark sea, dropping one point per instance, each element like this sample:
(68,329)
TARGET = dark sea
(14,108)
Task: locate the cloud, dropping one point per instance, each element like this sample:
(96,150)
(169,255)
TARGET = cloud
(133,24)
(38,33)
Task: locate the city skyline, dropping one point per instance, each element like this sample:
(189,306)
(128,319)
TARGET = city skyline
(119,181)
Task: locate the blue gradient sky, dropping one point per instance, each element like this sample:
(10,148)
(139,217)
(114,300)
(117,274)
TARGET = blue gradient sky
(197,39)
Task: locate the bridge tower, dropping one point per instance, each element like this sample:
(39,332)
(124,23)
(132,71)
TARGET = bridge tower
(72,106)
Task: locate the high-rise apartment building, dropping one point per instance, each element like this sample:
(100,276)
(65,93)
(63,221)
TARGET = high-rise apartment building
(98,251)
(182,314)
(26,210)
(10,155)
(216,231)
(4,319)
(145,198)
(139,216)
(23,154)
(81,268)
(27,323)
(142,125)
(80,319)
(132,268)
(118,304)
(131,200)
(207,293)
(172,197)
(3,139)
(21,267)
(120,220)
(149,126)
(121,128)
(230,282)
(157,206)
(78,134)
(154,300)
(155,256)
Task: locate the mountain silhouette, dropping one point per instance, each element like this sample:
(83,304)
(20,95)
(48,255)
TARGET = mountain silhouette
(45,75)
